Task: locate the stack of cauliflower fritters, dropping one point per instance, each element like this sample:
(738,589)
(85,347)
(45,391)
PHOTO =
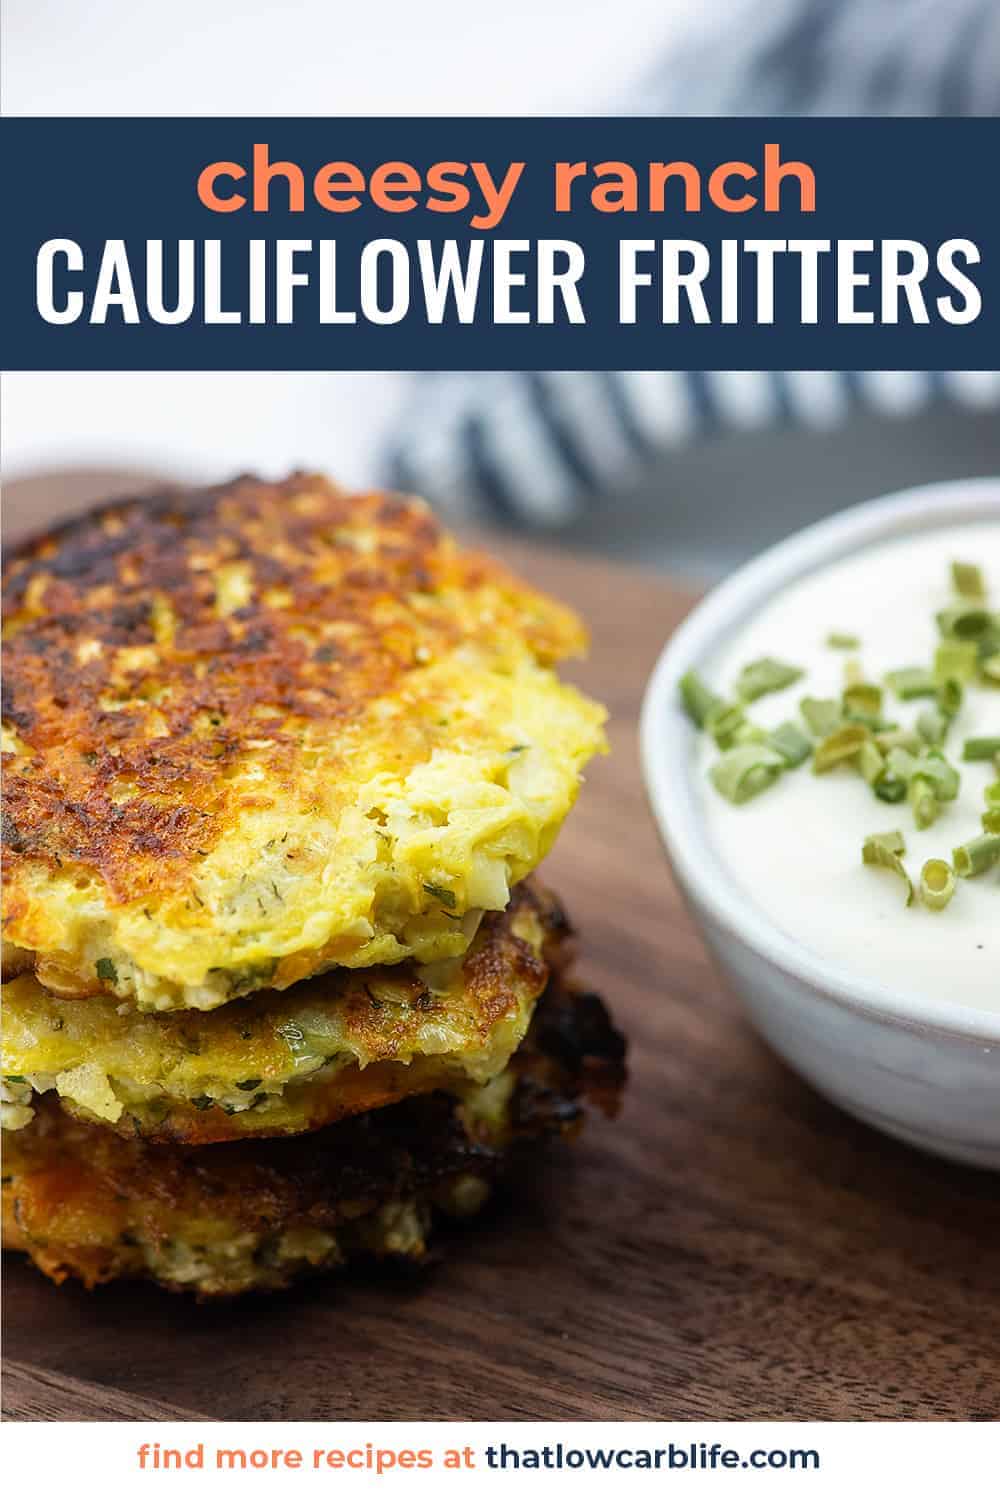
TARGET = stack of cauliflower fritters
(278,761)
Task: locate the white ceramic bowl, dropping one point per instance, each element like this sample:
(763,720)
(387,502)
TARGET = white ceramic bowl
(925,1071)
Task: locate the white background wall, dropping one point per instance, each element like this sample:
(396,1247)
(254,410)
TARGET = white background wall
(329,57)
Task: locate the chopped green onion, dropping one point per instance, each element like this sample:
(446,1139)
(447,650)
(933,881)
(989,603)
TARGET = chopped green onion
(822,715)
(767,675)
(955,659)
(901,762)
(932,725)
(964,624)
(698,700)
(912,682)
(749,734)
(937,884)
(968,580)
(883,850)
(839,640)
(106,970)
(977,856)
(990,667)
(854,672)
(871,762)
(723,723)
(892,784)
(922,799)
(992,794)
(842,745)
(862,700)
(746,771)
(792,743)
(981,747)
(991,820)
(934,766)
(889,787)
(950,693)
(899,739)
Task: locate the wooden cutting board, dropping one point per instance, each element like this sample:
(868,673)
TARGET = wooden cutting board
(731,1247)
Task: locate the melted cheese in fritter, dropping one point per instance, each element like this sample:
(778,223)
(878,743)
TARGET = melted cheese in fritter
(261,731)
(271,1064)
(83,1201)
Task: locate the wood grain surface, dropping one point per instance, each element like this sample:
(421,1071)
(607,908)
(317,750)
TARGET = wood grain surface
(731,1247)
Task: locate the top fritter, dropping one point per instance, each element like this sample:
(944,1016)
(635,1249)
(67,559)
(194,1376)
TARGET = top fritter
(260,730)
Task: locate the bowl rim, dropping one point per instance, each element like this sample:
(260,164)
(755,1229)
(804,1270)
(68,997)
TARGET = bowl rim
(665,743)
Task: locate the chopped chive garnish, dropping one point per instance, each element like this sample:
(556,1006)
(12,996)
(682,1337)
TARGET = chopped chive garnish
(897,761)
(937,884)
(964,624)
(924,802)
(842,745)
(862,700)
(932,725)
(822,715)
(912,682)
(724,723)
(792,743)
(871,762)
(977,856)
(746,771)
(901,762)
(767,675)
(899,739)
(698,700)
(891,784)
(749,734)
(106,970)
(883,850)
(949,696)
(968,580)
(938,770)
(981,747)
(888,787)
(955,659)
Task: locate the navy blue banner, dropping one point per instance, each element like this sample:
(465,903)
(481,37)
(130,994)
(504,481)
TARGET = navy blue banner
(500,244)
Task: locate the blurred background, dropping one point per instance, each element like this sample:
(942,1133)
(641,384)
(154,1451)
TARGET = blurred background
(690,472)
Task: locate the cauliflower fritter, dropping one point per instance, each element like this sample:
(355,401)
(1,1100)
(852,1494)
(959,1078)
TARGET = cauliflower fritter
(278,1063)
(255,732)
(218,1220)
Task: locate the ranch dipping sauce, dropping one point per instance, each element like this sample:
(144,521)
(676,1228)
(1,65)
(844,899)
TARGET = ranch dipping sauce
(795,848)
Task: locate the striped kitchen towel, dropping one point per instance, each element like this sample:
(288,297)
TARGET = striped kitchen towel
(538,448)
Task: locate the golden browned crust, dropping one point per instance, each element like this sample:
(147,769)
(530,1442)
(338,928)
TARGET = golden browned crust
(259,729)
(327,628)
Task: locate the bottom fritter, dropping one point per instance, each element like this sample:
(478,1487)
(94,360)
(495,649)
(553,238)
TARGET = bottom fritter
(224,1219)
